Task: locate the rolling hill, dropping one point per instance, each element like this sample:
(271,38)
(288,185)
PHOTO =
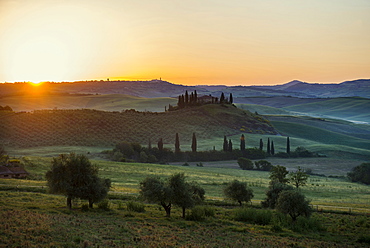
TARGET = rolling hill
(86,127)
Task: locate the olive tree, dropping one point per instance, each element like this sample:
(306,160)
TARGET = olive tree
(75,177)
(294,204)
(238,191)
(298,178)
(278,174)
(175,190)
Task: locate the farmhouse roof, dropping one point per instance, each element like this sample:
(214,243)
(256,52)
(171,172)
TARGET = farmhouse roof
(5,170)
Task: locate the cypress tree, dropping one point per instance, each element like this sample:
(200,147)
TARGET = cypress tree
(288,145)
(222,98)
(272,148)
(225,146)
(160,144)
(261,144)
(230,148)
(150,144)
(177,143)
(186,98)
(231,98)
(195,97)
(242,143)
(268,146)
(194,143)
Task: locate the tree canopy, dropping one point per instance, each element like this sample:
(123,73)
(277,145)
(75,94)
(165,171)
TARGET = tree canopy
(360,173)
(278,173)
(293,203)
(298,178)
(75,177)
(238,191)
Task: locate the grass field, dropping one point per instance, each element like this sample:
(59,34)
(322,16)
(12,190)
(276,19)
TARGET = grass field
(33,218)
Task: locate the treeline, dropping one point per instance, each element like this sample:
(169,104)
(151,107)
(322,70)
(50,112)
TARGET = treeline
(5,108)
(135,152)
(192,99)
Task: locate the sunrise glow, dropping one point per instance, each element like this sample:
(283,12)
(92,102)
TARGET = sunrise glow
(190,42)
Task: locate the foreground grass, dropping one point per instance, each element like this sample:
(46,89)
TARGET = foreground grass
(42,220)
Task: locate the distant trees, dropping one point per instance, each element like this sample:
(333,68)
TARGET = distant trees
(288,145)
(175,190)
(194,143)
(245,163)
(5,108)
(242,143)
(261,144)
(75,177)
(225,145)
(360,173)
(238,191)
(177,143)
(192,99)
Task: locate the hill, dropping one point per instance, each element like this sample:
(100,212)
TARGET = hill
(108,102)
(86,127)
(160,88)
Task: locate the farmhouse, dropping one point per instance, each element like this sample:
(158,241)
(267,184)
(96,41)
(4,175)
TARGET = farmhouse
(13,172)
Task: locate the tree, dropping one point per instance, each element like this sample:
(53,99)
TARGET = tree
(288,145)
(175,190)
(231,98)
(245,164)
(75,177)
(226,144)
(238,191)
(154,190)
(263,165)
(278,173)
(272,148)
(360,173)
(298,178)
(261,144)
(185,195)
(195,97)
(293,203)
(268,146)
(194,143)
(272,194)
(186,98)
(222,98)
(3,156)
(242,143)
(177,143)
(160,144)
(230,146)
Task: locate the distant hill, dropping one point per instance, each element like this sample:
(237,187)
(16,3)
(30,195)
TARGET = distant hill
(100,128)
(160,88)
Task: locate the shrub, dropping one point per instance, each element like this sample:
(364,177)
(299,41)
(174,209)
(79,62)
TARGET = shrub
(135,206)
(263,165)
(85,207)
(254,216)
(303,224)
(104,205)
(197,214)
(245,163)
(360,173)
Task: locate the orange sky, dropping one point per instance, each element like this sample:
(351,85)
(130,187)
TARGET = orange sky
(233,42)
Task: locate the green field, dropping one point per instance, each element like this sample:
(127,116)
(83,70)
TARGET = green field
(33,218)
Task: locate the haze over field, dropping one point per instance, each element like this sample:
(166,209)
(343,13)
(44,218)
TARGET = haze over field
(188,42)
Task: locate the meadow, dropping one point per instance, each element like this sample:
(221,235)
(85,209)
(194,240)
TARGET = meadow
(33,218)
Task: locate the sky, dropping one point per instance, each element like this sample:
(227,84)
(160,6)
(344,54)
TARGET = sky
(192,42)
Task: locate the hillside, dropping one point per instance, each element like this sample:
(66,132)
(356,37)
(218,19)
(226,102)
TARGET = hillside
(100,128)
(109,102)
